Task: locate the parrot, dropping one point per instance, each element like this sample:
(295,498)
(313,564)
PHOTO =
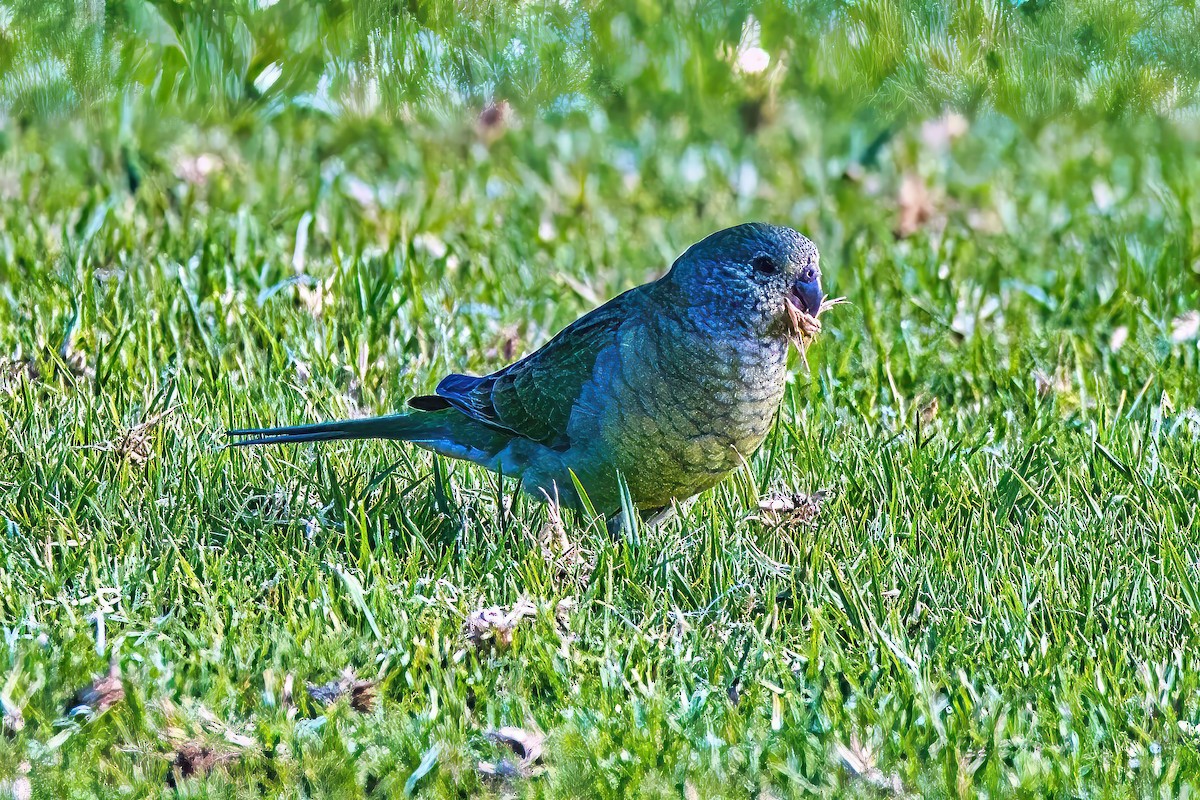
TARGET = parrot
(668,387)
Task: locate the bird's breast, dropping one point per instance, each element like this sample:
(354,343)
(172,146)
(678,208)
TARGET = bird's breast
(687,405)
(732,391)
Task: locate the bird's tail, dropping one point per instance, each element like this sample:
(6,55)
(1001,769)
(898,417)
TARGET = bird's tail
(419,427)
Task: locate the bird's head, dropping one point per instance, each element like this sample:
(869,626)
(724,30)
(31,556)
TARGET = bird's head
(748,275)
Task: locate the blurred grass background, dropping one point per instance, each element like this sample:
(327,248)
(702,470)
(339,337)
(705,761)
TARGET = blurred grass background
(264,212)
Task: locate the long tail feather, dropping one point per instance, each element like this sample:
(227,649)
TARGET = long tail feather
(408,427)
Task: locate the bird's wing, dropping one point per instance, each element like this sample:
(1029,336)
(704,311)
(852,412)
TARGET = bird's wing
(534,397)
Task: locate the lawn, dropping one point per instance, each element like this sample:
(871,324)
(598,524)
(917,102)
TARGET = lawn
(217,214)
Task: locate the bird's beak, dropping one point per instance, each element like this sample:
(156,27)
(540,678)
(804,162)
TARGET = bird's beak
(806,297)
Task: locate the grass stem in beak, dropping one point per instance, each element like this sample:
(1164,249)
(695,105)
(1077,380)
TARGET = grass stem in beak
(804,327)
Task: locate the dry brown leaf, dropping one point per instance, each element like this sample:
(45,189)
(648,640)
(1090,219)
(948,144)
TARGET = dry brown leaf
(526,746)
(859,760)
(734,692)
(14,371)
(198,740)
(929,411)
(1043,384)
(103,693)
(914,206)
(315,296)
(136,444)
(495,625)
(1047,385)
(360,693)
(302,371)
(562,613)
(13,721)
(494,120)
(508,344)
(566,558)
(792,508)
(78,365)
(196,758)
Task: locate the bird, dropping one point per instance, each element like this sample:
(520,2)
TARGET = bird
(666,388)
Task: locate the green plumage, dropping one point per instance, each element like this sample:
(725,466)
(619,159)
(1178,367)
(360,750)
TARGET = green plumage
(672,384)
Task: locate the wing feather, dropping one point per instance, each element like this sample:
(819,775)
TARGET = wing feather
(534,397)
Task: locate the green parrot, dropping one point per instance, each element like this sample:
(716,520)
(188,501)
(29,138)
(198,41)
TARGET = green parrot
(672,384)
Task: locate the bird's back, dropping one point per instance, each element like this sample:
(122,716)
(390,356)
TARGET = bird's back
(534,398)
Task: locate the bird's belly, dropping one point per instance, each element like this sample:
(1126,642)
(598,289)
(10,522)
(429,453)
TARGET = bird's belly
(674,432)
(698,445)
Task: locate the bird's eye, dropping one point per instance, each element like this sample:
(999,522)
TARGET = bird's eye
(765,264)
(809,274)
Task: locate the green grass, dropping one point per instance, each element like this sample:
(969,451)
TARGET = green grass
(1001,598)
